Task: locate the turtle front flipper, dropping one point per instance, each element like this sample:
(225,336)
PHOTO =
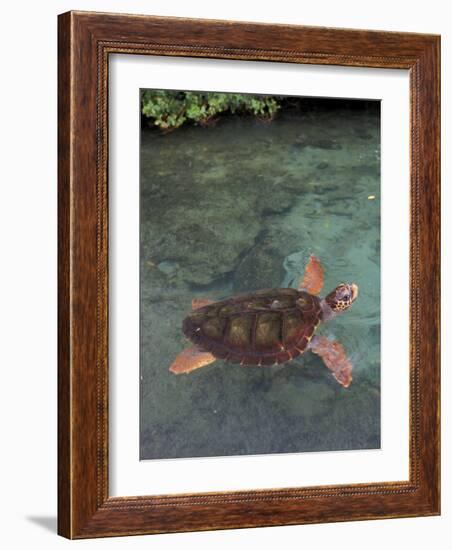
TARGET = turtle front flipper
(191,359)
(312,280)
(334,357)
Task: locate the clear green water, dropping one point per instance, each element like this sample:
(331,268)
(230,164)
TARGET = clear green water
(240,206)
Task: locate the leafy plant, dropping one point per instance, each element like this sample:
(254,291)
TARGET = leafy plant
(170,109)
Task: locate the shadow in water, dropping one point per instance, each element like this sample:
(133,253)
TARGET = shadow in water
(46,522)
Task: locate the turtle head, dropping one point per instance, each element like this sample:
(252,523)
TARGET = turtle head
(342,297)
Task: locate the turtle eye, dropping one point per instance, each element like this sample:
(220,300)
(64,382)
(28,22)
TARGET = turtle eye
(344,293)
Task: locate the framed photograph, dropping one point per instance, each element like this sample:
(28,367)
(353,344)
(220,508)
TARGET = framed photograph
(248,275)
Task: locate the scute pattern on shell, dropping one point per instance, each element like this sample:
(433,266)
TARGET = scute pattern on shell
(259,328)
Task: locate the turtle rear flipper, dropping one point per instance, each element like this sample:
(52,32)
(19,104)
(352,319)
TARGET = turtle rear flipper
(334,357)
(191,359)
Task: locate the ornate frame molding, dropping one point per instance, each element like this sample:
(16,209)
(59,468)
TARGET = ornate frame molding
(85,42)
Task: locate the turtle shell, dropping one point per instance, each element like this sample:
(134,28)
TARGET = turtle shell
(260,328)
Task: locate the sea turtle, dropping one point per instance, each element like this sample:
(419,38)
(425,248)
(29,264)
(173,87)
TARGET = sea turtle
(268,327)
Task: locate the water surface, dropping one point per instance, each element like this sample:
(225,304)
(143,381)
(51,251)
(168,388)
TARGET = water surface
(240,206)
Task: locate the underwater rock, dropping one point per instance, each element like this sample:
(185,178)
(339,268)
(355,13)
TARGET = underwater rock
(294,266)
(206,250)
(284,204)
(304,397)
(328,144)
(168,267)
(211,214)
(303,141)
(260,268)
(207,229)
(363,134)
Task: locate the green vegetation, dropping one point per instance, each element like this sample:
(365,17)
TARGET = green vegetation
(170,109)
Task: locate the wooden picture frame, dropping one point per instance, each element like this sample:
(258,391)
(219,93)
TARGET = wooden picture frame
(86,40)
